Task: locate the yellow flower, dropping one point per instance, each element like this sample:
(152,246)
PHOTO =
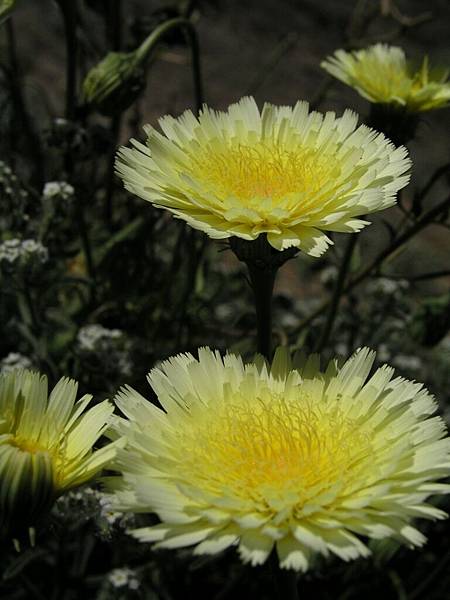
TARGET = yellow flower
(291,458)
(381,74)
(285,172)
(45,445)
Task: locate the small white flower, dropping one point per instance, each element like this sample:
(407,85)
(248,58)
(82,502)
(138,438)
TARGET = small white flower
(60,189)
(106,512)
(383,353)
(124,577)
(10,250)
(408,363)
(90,335)
(386,286)
(341,349)
(15,249)
(328,275)
(14,360)
(36,248)
(133,583)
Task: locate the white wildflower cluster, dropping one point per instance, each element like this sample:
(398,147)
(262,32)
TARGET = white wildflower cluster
(124,577)
(89,336)
(384,286)
(91,504)
(111,516)
(15,360)
(328,275)
(12,251)
(108,344)
(58,189)
(406,362)
(83,503)
(9,184)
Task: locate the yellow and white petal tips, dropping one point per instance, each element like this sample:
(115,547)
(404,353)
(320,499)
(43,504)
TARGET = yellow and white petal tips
(381,74)
(285,172)
(291,458)
(45,445)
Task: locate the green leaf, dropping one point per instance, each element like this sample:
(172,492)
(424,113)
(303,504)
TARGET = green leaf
(23,560)
(6,8)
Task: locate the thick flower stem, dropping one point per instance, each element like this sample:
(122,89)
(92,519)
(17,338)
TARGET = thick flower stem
(263,263)
(262,281)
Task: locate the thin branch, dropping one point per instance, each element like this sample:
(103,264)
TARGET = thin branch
(422,222)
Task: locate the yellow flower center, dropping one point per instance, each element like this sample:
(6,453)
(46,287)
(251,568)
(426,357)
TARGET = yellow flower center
(27,445)
(385,80)
(271,451)
(265,169)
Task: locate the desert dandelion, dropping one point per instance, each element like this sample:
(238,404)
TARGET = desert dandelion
(45,445)
(286,458)
(381,74)
(284,172)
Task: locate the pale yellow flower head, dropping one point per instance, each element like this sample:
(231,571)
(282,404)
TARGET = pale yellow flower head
(45,445)
(285,171)
(291,458)
(382,75)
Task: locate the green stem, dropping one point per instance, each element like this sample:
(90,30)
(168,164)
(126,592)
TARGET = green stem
(86,245)
(337,293)
(262,269)
(262,281)
(157,36)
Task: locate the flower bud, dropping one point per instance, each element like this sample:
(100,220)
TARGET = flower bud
(115,83)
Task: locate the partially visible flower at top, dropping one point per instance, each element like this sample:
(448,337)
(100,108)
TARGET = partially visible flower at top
(286,172)
(58,189)
(285,457)
(124,577)
(381,74)
(15,250)
(14,360)
(45,445)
